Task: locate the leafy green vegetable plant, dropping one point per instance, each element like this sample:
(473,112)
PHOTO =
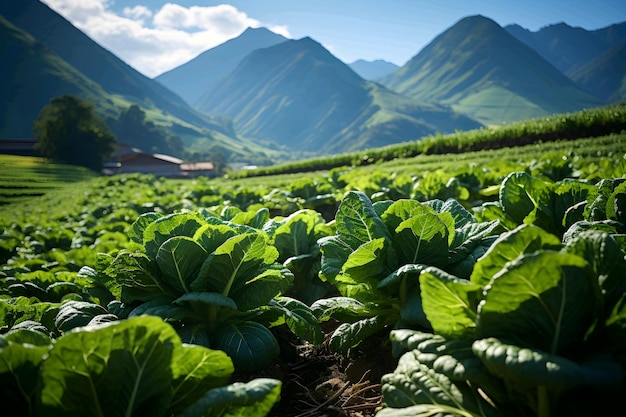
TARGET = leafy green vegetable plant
(216,281)
(133,367)
(538,330)
(376,256)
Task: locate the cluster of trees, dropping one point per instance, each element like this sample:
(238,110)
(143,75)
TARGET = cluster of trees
(68,130)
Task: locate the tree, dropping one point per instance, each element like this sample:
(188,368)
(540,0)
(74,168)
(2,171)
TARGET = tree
(69,131)
(133,128)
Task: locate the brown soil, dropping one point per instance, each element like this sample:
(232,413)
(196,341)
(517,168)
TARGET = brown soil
(319,383)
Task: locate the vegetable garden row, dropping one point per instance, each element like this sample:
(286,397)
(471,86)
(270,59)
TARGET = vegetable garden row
(496,286)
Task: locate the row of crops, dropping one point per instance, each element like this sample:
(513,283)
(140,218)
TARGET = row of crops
(495,280)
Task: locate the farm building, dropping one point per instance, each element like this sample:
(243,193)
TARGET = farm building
(126,159)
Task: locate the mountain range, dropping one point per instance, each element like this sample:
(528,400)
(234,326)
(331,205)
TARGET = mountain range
(263,96)
(481,70)
(43,56)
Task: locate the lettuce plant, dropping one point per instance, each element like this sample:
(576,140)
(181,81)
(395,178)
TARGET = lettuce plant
(376,255)
(539,329)
(216,281)
(133,367)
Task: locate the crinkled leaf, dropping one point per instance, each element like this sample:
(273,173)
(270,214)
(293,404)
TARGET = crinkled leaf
(450,303)
(250,399)
(453,358)
(341,309)
(139,225)
(468,237)
(335,252)
(76,314)
(357,222)
(349,335)
(528,368)
(607,260)
(300,319)
(414,382)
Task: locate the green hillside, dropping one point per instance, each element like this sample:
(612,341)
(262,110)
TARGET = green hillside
(30,75)
(479,69)
(44,56)
(299,95)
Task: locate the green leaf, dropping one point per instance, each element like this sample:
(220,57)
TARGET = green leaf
(422,239)
(139,226)
(166,227)
(453,358)
(363,269)
(349,335)
(119,369)
(195,370)
(300,319)
(414,382)
(450,303)
(295,234)
(205,299)
(250,345)
(335,252)
(607,260)
(161,307)
(211,236)
(357,222)
(250,399)
(529,368)
(545,301)
(340,308)
(76,314)
(20,362)
(259,290)
(510,246)
(179,259)
(521,194)
(236,261)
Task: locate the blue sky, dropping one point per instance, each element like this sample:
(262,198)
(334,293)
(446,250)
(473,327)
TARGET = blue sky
(154,36)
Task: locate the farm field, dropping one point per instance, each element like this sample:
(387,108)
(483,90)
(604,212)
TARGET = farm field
(481,283)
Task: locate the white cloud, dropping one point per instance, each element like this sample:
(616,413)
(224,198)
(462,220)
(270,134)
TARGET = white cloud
(139,13)
(156,41)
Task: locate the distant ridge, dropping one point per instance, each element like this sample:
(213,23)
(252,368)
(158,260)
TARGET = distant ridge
(300,96)
(605,76)
(481,70)
(373,70)
(193,78)
(568,48)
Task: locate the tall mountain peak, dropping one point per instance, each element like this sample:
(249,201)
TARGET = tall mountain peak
(194,77)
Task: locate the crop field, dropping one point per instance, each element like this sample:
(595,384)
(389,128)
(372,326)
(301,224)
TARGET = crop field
(483,283)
